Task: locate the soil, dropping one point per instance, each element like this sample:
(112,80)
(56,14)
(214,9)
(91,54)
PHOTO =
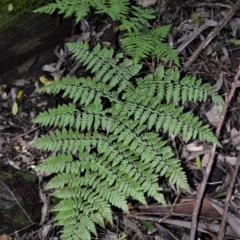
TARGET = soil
(24,53)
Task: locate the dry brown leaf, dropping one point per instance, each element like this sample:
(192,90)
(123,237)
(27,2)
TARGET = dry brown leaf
(213,115)
(5,237)
(235,138)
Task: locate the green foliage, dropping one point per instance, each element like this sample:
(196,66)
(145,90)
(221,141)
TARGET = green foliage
(116,9)
(235,41)
(107,139)
(107,153)
(138,42)
(140,45)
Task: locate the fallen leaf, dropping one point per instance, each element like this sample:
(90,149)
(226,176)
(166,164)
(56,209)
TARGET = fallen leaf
(235,138)
(219,82)
(19,94)
(48,68)
(14,108)
(3,87)
(16,147)
(44,81)
(213,115)
(232,219)
(194,147)
(198,162)
(228,159)
(4,96)
(5,237)
(10,7)
(205,160)
(13,94)
(106,43)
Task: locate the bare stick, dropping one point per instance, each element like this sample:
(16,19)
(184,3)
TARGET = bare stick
(23,134)
(211,158)
(212,34)
(221,232)
(196,33)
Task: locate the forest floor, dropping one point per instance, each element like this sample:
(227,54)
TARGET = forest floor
(28,62)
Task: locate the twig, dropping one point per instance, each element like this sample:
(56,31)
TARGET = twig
(171,210)
(212,34)
(194,34)
(211,157)
(227,200)
(23,134)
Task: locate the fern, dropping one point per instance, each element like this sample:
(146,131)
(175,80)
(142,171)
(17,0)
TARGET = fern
(138,42)
(116,9)
(108,153)
(108,138)
(139,19)
(140,45)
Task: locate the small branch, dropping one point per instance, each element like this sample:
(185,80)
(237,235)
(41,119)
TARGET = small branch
(221,232)
(194,34)
(212,34)
(211,157)
(23,134)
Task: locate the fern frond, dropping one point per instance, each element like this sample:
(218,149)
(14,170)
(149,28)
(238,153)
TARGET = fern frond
(146,145)
(107,143)
(137,45)
(100,61)
(48,9)
(116,9)
(61,116)
(166,53)
(169,86)
(76,8)
(169,118)
(160,33)
(82,89)
(139,20)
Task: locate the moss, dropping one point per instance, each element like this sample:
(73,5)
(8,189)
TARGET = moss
(7,175)
(24,24)
(20,219)
(20,7)
(29,176)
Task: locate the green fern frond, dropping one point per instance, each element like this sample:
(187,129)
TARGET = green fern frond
(139,20)
(160,33)
(169,86)
(116,153)
(76,8)
(128,134)
(48,9)
(116,9)
(107,68)
(140,45)
(107,139)
(137,45)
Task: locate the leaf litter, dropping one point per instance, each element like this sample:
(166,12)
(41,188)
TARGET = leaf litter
(217,65)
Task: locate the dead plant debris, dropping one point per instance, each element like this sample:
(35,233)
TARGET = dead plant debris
(217,63)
